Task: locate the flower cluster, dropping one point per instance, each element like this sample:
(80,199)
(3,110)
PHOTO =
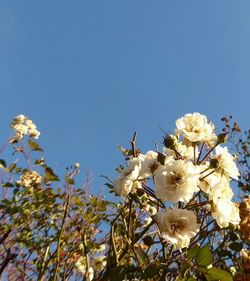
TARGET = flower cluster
(23,126)
(193,170)
(30,179)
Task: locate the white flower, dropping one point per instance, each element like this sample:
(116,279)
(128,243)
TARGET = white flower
(225,212)
(30,124)
(34,133)
(127,177)
(186,151)
(210,181)
(139,168)
(196,128)
(226,162)
(21,129)
(176,181)
(23,126)
(221,190)
(19,119)
(30,179)
(148,164)
(178,226)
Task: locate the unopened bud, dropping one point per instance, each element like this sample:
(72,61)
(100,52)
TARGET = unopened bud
(161,158)
(169,142)
(214,164)
(140,192)
(222,138)
(148,240)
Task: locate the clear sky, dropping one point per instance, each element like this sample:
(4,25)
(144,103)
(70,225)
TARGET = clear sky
(90,73)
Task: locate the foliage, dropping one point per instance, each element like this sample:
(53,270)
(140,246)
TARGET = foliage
(56,230)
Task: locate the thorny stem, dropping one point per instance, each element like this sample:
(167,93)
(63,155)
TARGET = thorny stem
(8,259)
(197,194)
(209,151)
(113,243)
(134,241)
(197,204)
(194,153)
(129,216)
(60,237)
(133,144)
(202,147)
(207,175)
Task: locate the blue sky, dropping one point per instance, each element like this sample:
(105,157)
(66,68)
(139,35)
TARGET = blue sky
(90,73)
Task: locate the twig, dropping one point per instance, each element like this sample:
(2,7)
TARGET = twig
(207,175)
(8,258)
(209,151)
(133,144)
(60,237)
(202,147)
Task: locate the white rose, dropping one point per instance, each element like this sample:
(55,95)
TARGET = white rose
(196,128)
(221,190)
(34,133)
(30,124)
(226,162)
(210,181)
(148,163)
(21,129)
(177,226)
(19,119)
(127,177)
(225,212)
(176,181)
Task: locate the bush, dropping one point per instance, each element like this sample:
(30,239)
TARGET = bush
(175,220)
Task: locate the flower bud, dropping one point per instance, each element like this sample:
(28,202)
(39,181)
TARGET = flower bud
(148,240)
(214,164)
(140,192)
(222,138)
(169,142)
(161,158)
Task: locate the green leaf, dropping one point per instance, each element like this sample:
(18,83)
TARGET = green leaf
(34,146)
(236,246)
(50,175)
(193,252)
(118,273)
(124,151)
(69,180)
(215,274)
(204,256)
(152,270)
(39,162)
(233,236)
(8,184)
(191,279)
(3,164)
(77,201)
(12,167)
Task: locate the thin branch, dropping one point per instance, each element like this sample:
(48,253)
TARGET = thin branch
(133,144)
(60,237)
